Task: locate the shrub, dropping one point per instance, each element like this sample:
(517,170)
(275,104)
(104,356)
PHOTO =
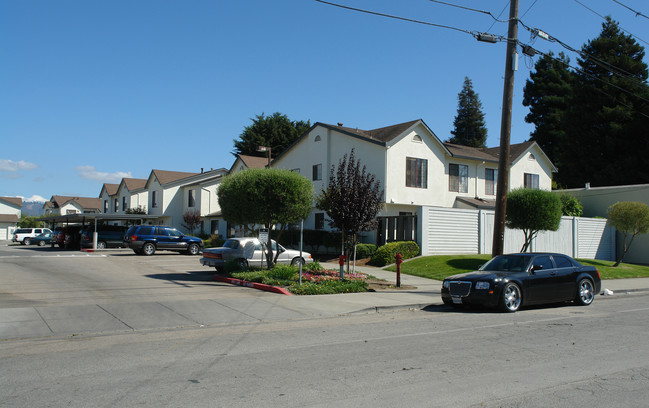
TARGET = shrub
(365,250)
(329,287)
(386,254)
(571,206)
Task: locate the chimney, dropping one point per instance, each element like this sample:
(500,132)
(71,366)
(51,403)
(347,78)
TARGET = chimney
(340,124)
(201,170)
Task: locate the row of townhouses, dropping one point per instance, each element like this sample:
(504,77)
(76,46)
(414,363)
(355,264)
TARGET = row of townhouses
(415,168)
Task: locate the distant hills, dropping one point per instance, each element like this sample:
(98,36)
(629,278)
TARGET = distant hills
(32,208)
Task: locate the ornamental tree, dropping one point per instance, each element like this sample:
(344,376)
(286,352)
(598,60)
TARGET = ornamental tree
(352,199)
(532,211)
(265,197)
(630,218)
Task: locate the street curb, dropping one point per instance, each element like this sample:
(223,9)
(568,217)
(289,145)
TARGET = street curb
(253,285)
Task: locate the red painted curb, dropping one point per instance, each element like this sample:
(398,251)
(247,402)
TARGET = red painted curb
(254,285)
(87,250)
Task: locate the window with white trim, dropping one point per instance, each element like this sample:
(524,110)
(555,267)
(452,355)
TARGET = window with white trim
(531,181)
(416,172)
(458,178)
(490,181)
(317,172)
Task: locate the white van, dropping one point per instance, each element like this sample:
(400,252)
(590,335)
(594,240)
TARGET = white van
(25,235)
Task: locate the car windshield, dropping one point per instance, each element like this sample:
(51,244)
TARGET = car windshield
(507,263)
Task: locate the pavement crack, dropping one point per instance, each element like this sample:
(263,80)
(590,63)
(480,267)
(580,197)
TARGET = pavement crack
(118,319)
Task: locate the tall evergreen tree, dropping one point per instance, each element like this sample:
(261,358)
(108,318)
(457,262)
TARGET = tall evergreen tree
(610,115)
(276,131)
(548,93)
(469,126)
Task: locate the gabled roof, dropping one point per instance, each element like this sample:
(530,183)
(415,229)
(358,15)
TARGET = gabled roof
(517,150)
(381,136)
(111,189)
(252,162)
(83,202)
(133,183)
(166,177)
(16,201)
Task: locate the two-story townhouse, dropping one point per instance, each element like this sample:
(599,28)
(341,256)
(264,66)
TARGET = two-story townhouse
(132,195)
(10,211)
(163,197)
(63,205)
(415,168)
(107,195)
(200,194)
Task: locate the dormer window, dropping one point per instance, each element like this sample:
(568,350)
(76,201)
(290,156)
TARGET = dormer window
(416,138)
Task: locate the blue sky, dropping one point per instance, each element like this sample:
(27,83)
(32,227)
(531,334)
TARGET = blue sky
(93,91)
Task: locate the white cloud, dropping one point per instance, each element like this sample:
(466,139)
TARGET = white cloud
(10,165)
(90,173)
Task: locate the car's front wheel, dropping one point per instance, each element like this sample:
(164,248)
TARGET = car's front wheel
(148,249)
(585,292)
(297,261)
(510,298)
(101,245)
(193,249)
(41,243)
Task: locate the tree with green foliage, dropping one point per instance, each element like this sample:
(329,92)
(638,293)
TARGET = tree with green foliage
(532,211)
(592,121)
(265,197)
(549,93)
(276,131)
(630,218)
(352,200)
(571,206)
(469,127)
(29,222)
(610,114)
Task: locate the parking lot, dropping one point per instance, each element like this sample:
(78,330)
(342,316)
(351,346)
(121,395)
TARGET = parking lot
(50,292)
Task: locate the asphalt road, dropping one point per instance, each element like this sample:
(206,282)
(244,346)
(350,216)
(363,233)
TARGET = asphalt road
(551,356)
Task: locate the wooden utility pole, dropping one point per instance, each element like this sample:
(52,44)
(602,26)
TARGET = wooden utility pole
(505,132)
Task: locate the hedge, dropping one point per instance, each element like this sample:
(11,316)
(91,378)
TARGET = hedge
(386,254)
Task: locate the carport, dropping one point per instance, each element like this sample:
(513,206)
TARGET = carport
(86,218)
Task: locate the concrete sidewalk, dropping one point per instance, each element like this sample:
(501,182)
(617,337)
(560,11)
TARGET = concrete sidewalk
(249,307)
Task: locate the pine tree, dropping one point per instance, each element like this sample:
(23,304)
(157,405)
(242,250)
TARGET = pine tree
(549,93)
(469,126)
(610,115)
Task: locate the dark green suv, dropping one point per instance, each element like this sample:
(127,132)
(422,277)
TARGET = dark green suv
(146,239)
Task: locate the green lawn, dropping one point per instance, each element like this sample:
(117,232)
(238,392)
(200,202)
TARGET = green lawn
(440,266)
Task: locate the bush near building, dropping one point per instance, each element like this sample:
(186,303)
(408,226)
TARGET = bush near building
(386,254)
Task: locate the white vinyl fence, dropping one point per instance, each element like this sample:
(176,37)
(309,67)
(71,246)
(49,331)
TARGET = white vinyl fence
(459,231)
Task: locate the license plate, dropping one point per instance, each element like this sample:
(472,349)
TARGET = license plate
(457,300)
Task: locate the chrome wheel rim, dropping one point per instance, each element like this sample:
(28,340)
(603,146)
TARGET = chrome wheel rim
(193,249)
(586,292)
(512,297)
(148,249)
(101,245)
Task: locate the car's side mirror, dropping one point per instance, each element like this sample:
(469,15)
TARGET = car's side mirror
(537,268)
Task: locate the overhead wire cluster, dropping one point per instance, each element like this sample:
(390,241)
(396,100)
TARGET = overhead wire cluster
(527,49)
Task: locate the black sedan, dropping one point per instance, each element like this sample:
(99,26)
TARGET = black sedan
(514,280)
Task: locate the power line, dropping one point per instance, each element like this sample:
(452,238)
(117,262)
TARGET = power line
(471,9)
(475,34)
(604,18)
(637,13)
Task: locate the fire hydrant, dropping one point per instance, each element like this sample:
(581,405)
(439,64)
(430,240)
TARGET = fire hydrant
(399,261)
(341,261)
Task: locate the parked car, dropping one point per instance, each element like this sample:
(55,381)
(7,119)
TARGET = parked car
(249,252)
(514,280)
(42,239)
(108,236)
(25,235)
(147,239)
(72,237)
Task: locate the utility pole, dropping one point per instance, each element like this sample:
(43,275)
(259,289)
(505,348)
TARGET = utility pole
(505,132)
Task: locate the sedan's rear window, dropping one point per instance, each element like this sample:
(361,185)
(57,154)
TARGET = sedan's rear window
(231,243)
